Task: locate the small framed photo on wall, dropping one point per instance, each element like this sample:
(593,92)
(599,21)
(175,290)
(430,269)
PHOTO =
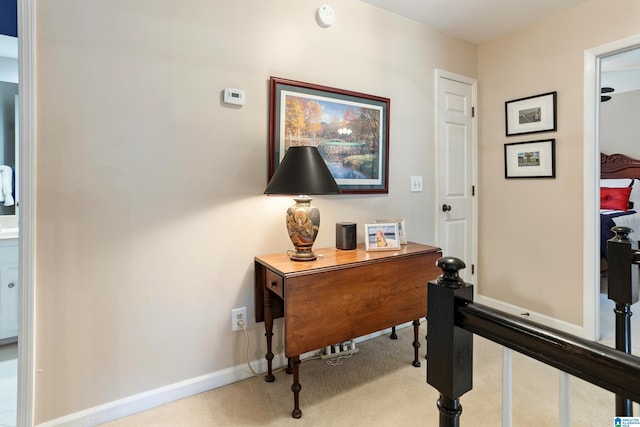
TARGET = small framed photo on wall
(382,237)
(531,159)
(531,114)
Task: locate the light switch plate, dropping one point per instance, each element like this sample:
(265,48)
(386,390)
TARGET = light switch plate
(416,184)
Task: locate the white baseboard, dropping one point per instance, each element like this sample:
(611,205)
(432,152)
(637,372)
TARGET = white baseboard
(542,319)
(172,392)
(160,396)
(153,398)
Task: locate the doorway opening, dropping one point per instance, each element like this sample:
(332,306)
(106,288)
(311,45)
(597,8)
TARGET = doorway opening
(593,84)
(9,223)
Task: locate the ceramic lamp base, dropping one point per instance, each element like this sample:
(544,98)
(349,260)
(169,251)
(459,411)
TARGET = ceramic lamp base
(303,223)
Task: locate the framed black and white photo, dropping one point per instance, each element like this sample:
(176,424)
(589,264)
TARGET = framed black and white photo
(532,114)
(531,159)
(381,237)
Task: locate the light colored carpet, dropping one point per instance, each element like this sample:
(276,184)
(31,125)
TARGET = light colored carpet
(379,387)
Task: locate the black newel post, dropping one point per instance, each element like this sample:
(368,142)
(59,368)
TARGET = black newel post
(449,348)
(623,290)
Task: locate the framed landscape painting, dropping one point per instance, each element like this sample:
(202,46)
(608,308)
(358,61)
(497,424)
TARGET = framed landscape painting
(350,130)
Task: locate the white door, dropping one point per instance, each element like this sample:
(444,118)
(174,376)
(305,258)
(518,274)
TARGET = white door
(456,164)
(9,302)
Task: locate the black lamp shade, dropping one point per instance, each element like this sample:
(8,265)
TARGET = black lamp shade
(302,171)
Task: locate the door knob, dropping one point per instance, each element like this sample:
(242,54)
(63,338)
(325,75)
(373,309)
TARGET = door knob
(446,208)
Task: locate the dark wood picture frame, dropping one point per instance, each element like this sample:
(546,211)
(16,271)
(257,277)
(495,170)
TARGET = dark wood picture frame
(530,159)
(532,114)
(350,129)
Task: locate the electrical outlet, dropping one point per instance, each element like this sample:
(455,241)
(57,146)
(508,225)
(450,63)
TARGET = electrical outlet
(238,314)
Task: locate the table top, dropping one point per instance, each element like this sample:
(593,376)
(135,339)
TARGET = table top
(331,258)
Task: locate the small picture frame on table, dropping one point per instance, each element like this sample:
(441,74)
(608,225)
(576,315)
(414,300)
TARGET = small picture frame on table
(402,229)
(381,237)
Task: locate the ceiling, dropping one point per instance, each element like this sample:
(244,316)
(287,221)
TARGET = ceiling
(621,71)
(476,21)
(480,21)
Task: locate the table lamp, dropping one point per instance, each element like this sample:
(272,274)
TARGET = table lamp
(302,173)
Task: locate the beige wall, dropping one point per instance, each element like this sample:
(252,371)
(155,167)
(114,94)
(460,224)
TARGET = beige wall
(531,231)
(149,189)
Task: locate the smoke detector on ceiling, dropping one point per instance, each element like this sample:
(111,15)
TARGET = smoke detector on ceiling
(325,16)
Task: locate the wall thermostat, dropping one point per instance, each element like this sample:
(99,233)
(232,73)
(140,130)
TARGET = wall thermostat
(325,15)
(234,96)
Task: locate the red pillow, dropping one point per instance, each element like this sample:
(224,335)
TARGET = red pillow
(616,199)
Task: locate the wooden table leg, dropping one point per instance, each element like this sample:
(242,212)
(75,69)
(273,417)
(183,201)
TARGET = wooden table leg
(268,327)
(296,387)
(393,335)
(426,337)
(416,343)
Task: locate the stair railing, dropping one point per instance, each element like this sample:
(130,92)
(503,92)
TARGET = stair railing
(453,319)
(622,288)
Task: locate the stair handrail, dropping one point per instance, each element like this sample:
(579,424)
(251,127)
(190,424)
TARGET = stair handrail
(453,318)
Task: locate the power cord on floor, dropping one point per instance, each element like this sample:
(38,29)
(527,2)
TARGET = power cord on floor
(338,360)
(246,341)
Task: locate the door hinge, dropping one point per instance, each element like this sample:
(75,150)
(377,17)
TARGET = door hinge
(473,269)
(473,111)
(473,190)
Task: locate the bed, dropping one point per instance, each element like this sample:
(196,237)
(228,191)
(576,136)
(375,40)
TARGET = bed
(619,198)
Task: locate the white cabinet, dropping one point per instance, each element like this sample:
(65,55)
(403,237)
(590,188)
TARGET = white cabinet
(9,288)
